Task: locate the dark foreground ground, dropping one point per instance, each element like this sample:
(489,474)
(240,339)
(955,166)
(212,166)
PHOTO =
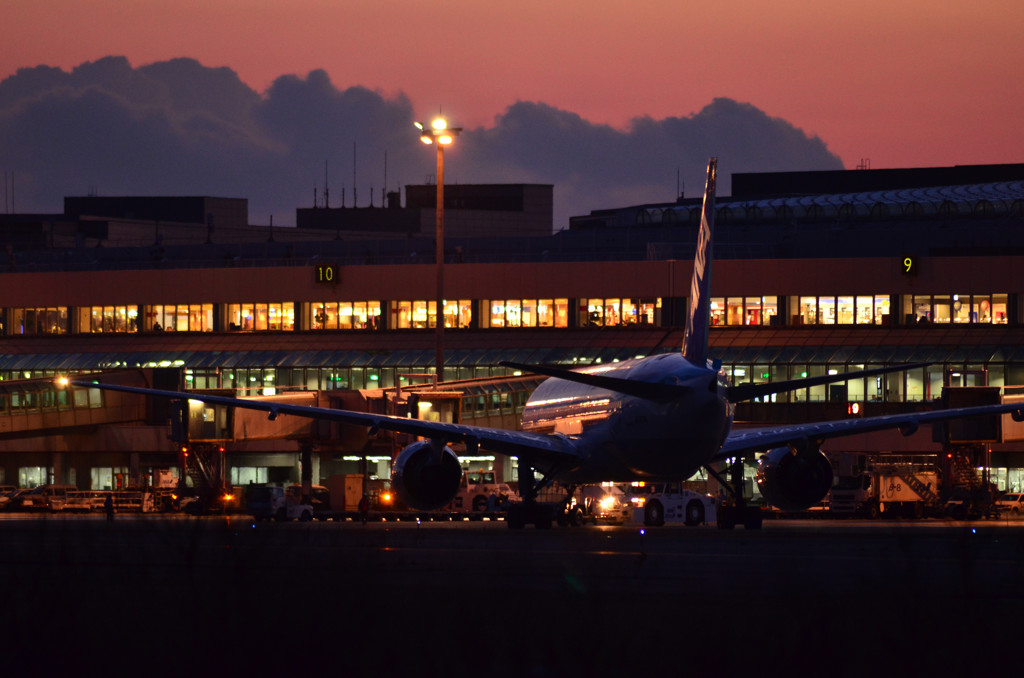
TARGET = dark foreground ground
(225,596)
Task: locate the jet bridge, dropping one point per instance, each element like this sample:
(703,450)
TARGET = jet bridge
(39,407)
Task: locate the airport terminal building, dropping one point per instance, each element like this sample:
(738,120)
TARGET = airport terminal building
(814,272)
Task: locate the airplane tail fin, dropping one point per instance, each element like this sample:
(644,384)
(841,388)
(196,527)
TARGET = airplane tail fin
(695,337)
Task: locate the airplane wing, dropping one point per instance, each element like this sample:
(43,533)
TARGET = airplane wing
(760,439)
(517,443)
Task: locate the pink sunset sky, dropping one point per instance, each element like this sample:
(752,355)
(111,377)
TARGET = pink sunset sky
(903,84)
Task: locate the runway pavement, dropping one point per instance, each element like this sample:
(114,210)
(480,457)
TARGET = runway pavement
(833,598)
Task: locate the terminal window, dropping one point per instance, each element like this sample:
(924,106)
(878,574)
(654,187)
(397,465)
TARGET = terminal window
(178,318)
(52,320)
(743,310)
(94,319)
(956,308)
(344,315)
(262,317)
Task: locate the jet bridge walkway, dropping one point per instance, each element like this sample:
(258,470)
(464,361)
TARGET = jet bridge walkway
(39,407)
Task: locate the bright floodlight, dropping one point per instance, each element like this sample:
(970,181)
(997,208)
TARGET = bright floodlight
(439,123)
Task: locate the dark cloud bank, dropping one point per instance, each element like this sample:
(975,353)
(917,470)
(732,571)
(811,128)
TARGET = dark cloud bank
(180,128)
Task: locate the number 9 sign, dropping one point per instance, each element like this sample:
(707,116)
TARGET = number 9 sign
(908,265)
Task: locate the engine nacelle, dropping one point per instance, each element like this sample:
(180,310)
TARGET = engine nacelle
(792,480)
(423,480)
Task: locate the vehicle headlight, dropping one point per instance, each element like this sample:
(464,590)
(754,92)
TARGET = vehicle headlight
(607,503)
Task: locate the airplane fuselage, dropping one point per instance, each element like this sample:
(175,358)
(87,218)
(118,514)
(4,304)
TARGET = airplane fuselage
(626,437)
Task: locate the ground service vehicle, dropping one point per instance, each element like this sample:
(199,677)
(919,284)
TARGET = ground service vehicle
(655,504)
(608,503)
(1010,504)
(270,502)
(895,490)
(660,503)
(479,492)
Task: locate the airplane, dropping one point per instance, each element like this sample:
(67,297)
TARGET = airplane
(660,417)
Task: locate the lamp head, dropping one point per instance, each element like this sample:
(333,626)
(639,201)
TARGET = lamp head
(438,132)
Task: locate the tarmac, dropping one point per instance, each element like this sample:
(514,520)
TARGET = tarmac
(147,595)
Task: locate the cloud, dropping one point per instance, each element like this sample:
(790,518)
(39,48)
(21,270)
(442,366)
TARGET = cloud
(180,128)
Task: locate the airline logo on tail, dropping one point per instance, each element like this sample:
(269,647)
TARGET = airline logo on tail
(695,338)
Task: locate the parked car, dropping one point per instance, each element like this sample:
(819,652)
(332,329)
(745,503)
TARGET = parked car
(1010,504)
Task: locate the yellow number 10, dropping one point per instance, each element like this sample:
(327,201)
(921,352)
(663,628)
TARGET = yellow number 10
(325,274)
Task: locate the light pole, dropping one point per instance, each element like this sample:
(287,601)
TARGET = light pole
(440,135)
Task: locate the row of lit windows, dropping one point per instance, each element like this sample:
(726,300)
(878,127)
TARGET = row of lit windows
(108,319)
(843,310)
(261,317)
(494,313)
(177,318)
(611,312)
(956,308)
(861,309)
(817,310)
(38,321)
(422,314)
(344,315)
(743,310)
(525,313)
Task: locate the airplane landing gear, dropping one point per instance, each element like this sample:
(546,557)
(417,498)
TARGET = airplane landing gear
(735,510)
(529,510)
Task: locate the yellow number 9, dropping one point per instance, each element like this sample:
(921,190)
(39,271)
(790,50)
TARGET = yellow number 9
(908,264)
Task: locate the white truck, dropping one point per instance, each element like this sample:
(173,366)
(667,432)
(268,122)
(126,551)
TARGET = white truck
(1010,505)
(887,491)
(655,504)
(480,493)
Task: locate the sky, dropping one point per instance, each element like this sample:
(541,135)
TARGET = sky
(890,84)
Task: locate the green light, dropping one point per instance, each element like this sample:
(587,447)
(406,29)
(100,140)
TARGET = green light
(374,377)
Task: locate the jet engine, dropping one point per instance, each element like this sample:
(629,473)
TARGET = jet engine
(794,480)
(425,480)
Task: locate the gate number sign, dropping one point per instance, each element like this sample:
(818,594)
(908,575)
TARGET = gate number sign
(326,274)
